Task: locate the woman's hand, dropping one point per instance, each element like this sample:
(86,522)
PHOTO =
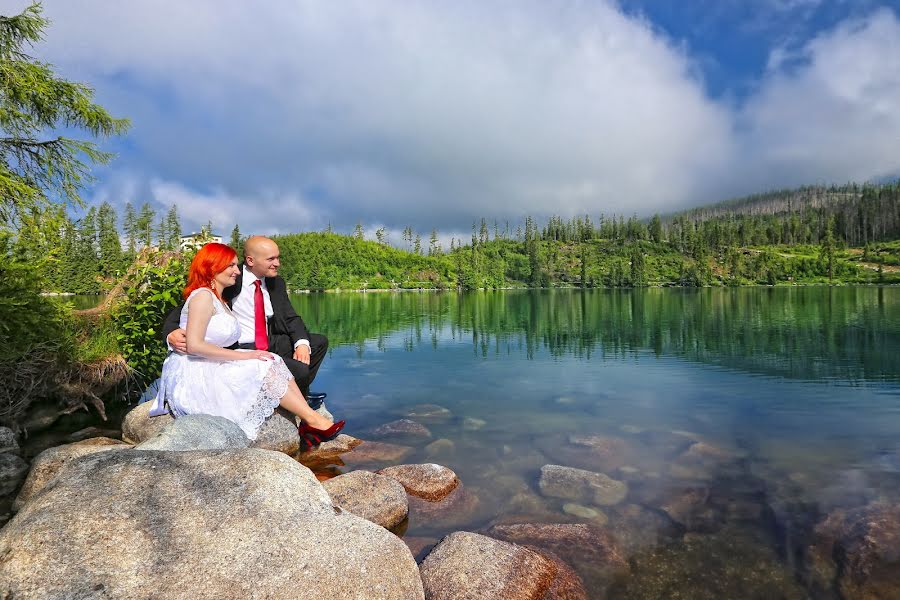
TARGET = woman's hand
(258,355)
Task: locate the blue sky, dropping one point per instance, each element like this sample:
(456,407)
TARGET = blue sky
(291,114)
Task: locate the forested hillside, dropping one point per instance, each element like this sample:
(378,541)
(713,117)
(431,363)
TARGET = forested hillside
(848,234)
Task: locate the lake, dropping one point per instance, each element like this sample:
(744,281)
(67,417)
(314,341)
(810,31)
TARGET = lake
(738,418)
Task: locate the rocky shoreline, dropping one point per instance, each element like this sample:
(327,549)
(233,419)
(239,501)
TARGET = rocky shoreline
(190,508)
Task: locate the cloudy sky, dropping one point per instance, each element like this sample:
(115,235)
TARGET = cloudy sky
(287,115)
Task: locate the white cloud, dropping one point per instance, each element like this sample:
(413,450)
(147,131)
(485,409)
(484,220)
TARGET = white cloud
(292,114)
(834,116)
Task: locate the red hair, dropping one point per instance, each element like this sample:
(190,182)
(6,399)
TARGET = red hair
(209,261)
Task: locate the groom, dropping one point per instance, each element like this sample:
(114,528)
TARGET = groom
(260,302)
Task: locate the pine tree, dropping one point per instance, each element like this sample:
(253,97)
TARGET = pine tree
(129,226)
(381,236)
(174,226)
(656,229)
(417,248)
(110,248)
(433,248)
(162,233)
(36,168)
(144,225)
(235,241)
(358,231)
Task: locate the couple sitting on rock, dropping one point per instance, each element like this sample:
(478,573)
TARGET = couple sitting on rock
(239,350)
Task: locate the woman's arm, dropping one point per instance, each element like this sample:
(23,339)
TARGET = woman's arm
(200,311)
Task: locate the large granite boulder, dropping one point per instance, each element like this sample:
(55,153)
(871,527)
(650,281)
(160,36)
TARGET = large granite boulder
(582,486)
(475,567)
(279,433)
(427,481)
(139,426)
(373,497)
(859,550)
(51,461)
(206,524)
(197,432)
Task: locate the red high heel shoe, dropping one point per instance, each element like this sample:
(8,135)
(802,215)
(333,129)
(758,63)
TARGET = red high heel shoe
(314,437)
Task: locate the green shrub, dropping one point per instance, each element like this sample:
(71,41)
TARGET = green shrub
(151,293)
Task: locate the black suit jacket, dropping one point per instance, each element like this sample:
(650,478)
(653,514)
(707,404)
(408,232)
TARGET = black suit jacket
(285,325)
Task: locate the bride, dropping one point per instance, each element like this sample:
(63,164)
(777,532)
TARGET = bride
(244,386)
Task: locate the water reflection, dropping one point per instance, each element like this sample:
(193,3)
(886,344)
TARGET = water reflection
(845,334)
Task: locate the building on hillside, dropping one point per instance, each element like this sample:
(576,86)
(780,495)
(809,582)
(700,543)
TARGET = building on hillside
(197,240)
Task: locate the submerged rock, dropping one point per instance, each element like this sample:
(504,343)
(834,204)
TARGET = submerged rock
(457,509)
(427,481)
(404,429)
(589,548)
(371,496)
(441,447)
(473,424)
(473,566)
(197,432)
(49,463)
(585,512)
(138,426)
(377,452)
(205,524)
(581,486)
(730,564)
(859,550)
(429,413)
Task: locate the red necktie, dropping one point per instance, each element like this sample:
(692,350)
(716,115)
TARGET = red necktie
(259,318)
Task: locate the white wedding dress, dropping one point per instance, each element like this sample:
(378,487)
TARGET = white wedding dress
(243,391)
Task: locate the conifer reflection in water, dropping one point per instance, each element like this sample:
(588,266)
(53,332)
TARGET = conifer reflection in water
(744,415)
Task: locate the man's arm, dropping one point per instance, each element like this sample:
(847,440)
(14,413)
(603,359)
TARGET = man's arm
(281,305)
(172,333)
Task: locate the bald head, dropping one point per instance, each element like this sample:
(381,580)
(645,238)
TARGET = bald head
(261,256)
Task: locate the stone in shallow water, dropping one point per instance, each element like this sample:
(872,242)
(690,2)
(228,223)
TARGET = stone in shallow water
(476,567)
(473,424)
(585,512)
(592,452)
(402,429)
(49,463)
(731,564)
(206,524)
(589,548)
(427,481)
(860,550)
(429,413)
(457,509)
(377,452)
(373,497)
(581,486)
(328,453)
(441,447)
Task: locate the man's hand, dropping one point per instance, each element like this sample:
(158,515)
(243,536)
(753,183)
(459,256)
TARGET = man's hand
(301,353)
(178,341)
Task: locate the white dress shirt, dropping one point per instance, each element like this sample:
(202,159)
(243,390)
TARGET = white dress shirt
(243,307)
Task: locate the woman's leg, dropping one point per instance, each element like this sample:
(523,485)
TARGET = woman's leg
(294,401)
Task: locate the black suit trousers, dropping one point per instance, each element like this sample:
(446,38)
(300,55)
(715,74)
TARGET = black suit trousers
(303,373)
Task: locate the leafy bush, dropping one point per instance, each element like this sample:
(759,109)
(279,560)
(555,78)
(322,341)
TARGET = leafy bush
(152,291)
